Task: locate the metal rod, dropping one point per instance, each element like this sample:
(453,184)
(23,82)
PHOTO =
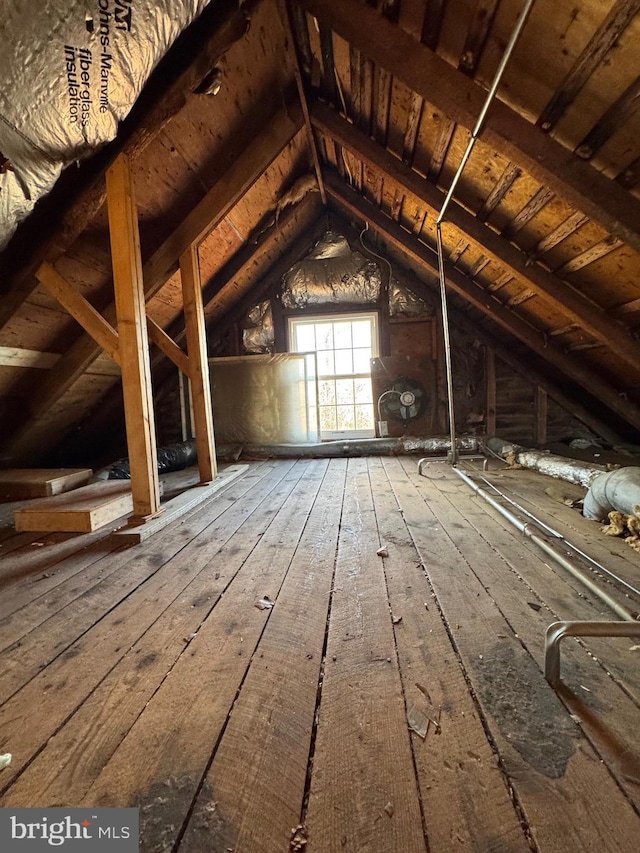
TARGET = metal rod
(472,141)
(528,530)
(447,345)
(598,566)
(524,14)
(558,630)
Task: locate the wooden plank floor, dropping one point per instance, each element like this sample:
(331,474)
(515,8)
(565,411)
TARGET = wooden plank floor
(149,676)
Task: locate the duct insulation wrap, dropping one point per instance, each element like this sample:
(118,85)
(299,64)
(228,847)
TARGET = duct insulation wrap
(258,336)
(71,72)
(616,490)
(348,448)
(403,302)
(331,273)
(172,457)
(571,470)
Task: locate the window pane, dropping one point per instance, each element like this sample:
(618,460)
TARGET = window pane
(327,392)
(324,335)
(327,418)
(362,391)
(305,338)
(342,335)
(362,361)
(325,363)
(346,417)
(344,361)
(361,331)
(344,391)
(364,417)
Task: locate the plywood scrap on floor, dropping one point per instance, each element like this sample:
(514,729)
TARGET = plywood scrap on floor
(18,484)
(148,676)
(81,511)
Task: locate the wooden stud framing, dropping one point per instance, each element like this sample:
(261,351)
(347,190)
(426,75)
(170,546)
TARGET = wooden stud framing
(199,365)
(164,343)
(80,309)
(134,346)
(540,417)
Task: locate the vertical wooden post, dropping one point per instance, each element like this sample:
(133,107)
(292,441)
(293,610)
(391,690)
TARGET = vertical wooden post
(199,370)
(491,391)
(540,416)
(134,345)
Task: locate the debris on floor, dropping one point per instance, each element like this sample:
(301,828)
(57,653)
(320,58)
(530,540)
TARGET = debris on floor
(418,721)
(624,525)
(265,603)
(389,809)
(298,838)
(396,619)
(567,495)
(383,552)
(5,760)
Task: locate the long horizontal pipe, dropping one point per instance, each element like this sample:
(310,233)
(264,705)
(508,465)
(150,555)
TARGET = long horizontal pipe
(348,447)
(528,530)
(557,535)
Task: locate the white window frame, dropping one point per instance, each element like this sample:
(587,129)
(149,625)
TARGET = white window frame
(315,319)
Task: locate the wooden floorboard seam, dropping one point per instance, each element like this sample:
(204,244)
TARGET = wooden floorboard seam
(515,799)
(281,480)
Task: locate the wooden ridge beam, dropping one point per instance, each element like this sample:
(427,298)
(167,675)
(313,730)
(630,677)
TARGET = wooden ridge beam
(506,131)
(476,296)
(560,295)
(62,216)
(80,309)
(246,170)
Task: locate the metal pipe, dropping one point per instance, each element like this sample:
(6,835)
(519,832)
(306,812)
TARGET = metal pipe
(447,345)
(529,530)
(558,630)
(597,566)
(472,141)
(515,35)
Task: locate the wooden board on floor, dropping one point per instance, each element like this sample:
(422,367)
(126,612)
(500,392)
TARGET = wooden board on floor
(552,769)
(465,797)
(363,793)
(81,511)
(18,484)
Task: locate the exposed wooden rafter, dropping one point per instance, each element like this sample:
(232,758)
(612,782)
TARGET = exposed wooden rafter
(418,252)
(461,100)
(557,293)
(59,219)
(246,170)
(615,23)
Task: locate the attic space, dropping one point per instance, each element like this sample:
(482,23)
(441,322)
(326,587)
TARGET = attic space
(320,425)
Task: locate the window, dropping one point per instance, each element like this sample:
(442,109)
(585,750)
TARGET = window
(344,346)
